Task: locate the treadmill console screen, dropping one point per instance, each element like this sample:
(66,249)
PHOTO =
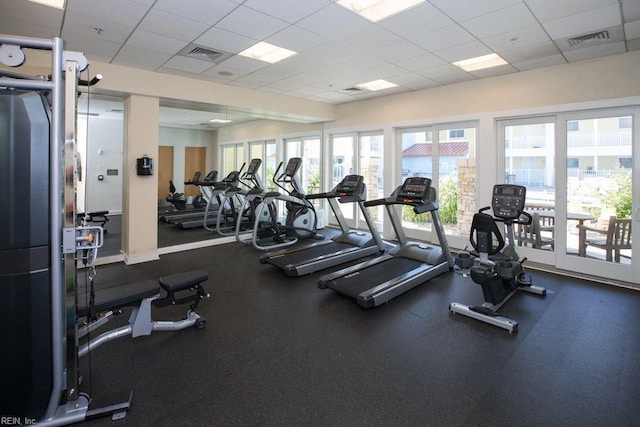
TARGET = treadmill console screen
(253,166)
(508,200)
(414,188)
(232,177)
(292,166)
(350,184)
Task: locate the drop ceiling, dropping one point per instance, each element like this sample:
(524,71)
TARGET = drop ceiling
(336,48)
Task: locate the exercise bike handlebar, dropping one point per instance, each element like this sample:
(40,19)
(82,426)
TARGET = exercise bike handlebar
(528,219)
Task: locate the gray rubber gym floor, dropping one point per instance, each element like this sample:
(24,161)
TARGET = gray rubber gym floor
(280,351)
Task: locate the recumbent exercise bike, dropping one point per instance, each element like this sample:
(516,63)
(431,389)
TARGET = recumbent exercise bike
(498,270)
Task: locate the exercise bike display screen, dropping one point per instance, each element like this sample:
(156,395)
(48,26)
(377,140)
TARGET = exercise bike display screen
(414,188)
(508,200)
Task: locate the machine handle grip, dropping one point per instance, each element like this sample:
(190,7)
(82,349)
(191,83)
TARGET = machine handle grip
(527,221)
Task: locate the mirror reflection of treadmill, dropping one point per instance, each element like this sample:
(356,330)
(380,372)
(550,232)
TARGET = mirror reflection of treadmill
(409,264)
(211,191)
(349,245)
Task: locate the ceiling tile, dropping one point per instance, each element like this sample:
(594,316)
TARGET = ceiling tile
(362,61)
(550,10)
(96,28)
(154,42)
(182,63)
(214,73)
(123,12)
(422,62)
(251,23)
(462,10)
(463,51)
(632,30)
(520,38)
(342,22)
(416,21)
(500,21)
(540,62)
(244,64)
(157,21)
(398,51)
(27,29)
(631,10)
(287,10)
(218,39)
(32,13)
(442,72)
(594,51)
(584,23)
(206,11)
(296,39)
(369,38)
(140,58)
(494,71)
(452,35)
(91,45)
(538,50)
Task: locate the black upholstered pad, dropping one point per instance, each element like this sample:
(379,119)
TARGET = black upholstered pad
(118,297)
(179,281)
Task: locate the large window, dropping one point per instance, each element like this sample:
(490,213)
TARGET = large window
(309,149)
(362,154)
(577,168)
(436,152)
(232,158)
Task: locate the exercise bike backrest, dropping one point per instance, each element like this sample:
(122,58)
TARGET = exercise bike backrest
(508,207)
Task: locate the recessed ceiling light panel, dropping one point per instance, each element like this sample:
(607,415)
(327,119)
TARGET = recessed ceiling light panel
(480,62)
(267,52)
(377,10)
(376,85)
(58,4)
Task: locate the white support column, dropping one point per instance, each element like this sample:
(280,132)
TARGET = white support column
(140,204)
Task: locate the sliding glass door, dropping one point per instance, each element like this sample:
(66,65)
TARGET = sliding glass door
(578,169)
(599,187)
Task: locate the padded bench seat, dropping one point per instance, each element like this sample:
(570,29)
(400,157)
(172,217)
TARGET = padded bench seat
(118,297)
(180,281)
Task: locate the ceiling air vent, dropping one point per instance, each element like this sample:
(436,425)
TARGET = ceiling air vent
(589,39)
(204,54)
(352,90)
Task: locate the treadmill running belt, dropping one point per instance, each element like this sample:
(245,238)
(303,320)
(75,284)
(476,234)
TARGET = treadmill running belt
(360,281)
(308,254)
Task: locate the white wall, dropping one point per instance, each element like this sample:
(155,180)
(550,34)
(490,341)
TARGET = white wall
(103,151)
(179,139)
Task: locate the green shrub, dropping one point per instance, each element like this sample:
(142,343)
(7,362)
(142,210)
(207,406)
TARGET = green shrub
(619,195)
(448,199)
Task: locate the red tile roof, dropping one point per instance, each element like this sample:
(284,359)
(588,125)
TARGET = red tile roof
(458,148)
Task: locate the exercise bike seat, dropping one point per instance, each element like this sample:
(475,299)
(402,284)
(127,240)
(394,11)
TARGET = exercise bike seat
(180,281)
(119,297)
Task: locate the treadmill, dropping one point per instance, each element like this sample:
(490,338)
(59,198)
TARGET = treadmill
(195,212)
(407,265)
(347,246)
(213,192)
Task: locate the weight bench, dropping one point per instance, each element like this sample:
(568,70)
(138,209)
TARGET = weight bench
(179,288)
(99,217)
